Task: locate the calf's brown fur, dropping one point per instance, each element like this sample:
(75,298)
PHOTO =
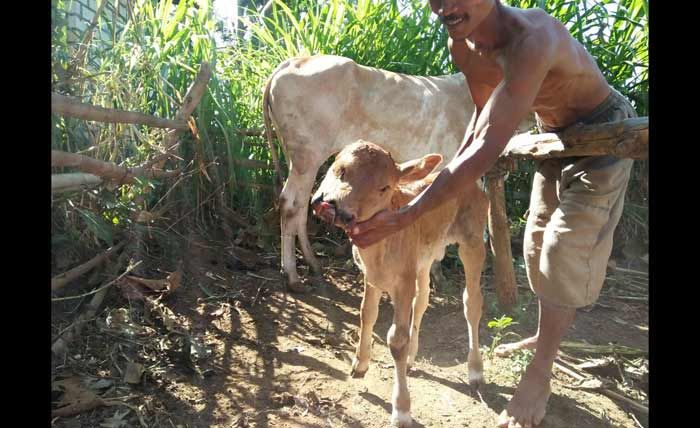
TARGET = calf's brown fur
(363,180)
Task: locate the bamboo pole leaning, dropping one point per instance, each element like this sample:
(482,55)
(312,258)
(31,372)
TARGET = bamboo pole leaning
(70,107)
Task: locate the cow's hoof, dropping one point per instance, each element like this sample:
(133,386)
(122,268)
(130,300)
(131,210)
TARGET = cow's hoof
(401,419)
(297,287)
(476,378)
(357,372)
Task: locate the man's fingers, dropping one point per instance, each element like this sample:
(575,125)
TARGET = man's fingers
(363,227)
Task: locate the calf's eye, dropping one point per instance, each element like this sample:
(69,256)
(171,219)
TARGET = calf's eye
(384,189)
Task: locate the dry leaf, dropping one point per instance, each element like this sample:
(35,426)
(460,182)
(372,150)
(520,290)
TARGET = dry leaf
(133,373)
(116,421)
(76,398)
(153,284)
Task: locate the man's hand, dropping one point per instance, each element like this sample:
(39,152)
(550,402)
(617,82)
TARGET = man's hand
(381,225)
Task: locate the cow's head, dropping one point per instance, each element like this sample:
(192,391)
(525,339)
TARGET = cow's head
(363,180)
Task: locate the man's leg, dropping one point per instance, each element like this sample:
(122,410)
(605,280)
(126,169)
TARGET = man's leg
(576,245)
(543,202)
(528,405)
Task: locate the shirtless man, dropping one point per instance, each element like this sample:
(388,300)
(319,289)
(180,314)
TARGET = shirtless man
(517,61)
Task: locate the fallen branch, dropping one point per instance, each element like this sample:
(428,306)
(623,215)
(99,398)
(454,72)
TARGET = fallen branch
(603,349)
(59,281)
(60,346)
(625,139)
(612,394)
(70,107)
(106,170)
(129,269)
(594,380)
(73,181)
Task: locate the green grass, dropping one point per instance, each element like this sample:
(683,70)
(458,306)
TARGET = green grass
(148,65)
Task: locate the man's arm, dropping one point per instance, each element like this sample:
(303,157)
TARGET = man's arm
(508,105)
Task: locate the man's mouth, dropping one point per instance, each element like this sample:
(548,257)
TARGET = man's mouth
(453,20)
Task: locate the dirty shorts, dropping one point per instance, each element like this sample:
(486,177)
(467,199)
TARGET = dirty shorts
(575,205)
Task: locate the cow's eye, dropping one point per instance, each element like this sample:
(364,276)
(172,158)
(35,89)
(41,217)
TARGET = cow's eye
(384,189)
(341,172)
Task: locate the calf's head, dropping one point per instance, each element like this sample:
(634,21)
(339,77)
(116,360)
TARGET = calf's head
(363,180)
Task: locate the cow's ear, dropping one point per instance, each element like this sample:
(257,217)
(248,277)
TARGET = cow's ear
(419,168)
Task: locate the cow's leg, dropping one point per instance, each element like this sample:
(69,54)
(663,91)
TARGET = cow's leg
(398,339)
(420,304)
(472,255)
(303,235)
(368,317)
(437,276)
(294,202)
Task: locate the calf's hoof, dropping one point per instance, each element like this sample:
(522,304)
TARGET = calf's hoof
(357,371)
(475,370)
(401,419)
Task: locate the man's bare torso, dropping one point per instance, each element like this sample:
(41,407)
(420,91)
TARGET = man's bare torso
(572,88)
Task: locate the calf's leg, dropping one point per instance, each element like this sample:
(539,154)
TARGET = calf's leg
(368,317)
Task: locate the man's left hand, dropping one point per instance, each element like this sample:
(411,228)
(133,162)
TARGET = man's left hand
(373,230)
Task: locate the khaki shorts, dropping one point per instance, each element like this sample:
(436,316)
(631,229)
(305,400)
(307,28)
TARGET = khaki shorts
(575,205)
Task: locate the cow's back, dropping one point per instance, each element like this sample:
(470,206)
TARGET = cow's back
(322,103)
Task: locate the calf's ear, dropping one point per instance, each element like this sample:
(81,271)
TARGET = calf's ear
(418,168)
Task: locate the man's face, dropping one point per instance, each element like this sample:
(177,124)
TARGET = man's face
(461,17)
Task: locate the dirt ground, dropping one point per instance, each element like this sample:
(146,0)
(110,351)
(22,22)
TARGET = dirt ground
(254,355)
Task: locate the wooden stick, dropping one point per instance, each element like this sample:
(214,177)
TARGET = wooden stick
(628,138)
(612,394)
(602,390)
(59,281)
(602,349)
(60,346)
(499,239)
(70,107)
(106,170)
(87,38)
(73,181)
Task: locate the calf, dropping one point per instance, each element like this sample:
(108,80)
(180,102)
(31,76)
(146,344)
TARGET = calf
(363,180)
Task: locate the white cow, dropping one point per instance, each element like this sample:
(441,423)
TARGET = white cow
(320,104)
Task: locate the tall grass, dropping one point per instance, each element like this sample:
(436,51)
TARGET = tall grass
(148,65)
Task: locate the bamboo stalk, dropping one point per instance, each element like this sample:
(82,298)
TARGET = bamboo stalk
(70,107)
(73,181)
(106,170)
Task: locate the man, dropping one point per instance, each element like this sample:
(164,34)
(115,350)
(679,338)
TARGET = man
(517,61)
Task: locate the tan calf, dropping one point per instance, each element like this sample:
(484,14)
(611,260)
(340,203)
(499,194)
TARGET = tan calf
(363,180)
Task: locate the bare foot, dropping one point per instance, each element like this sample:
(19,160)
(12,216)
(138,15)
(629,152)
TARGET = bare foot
(508,348)
(527,407)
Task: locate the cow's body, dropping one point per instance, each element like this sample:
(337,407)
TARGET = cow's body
(400,264)
(321,104)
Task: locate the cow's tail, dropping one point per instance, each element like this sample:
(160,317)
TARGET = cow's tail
(268,133)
